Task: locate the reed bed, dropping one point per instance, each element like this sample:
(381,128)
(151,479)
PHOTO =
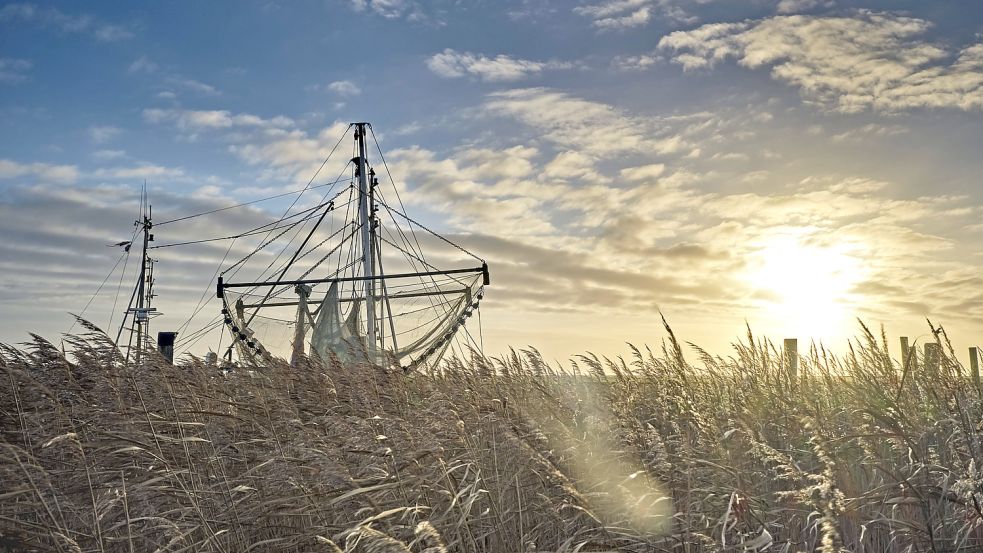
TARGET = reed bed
(672,450)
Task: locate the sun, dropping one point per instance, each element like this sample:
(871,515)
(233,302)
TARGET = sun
(803,285)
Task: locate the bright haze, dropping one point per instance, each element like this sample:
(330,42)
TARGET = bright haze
(791,164)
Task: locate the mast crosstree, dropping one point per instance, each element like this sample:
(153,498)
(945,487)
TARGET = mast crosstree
(139,312)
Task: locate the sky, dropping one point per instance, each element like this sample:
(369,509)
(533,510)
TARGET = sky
(792,165)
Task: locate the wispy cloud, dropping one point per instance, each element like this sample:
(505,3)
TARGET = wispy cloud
(450,64)
(868,61)
(212,119)
(798,6)
(43,16)
(343,88)
(104,133)
(14,70)
(41,171)
(643,172)
(107,155)
(410,10)
(143,171)
(143,64)
(192,85)
(626,14)
(592,127)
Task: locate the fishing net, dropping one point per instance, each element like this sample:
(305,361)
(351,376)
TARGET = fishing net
(415,321)
(358,287)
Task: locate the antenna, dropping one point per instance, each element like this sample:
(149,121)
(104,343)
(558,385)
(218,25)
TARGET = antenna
(139,309)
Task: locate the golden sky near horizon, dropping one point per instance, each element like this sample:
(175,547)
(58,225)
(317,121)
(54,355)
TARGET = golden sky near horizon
(794,165)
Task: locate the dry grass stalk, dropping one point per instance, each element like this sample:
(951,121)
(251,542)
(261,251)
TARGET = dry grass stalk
(864,452)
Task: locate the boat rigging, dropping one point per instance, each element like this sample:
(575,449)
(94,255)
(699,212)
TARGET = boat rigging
(359,287)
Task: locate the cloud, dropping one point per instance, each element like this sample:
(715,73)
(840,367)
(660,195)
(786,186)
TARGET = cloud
(394,9)
(292,155)
(451,64)
(106,155)
(635,63)
(103,133)
(64,22)
(592,127)
(868,61)
(797,6)
(643,172)
(626,14)
(212,119)
(143,64)
(14,70)
(570,165)
(112,33)
(868,132)
(192,85)
(344,88)
(139,172)
(69,253)
(44,172)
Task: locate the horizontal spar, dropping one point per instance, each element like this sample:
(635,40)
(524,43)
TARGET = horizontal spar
(349,300)
(223,285)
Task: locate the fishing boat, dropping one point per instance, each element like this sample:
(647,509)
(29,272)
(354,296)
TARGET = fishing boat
(350,277)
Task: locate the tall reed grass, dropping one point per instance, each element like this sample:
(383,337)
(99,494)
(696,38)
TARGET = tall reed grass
(673,450)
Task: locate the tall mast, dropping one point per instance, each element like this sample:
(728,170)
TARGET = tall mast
(139,309)
(140,313)
(366,220)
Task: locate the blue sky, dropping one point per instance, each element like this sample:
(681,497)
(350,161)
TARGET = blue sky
(793,164)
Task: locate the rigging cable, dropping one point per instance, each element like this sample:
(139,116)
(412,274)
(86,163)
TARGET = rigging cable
(208,289)
(99,289)
(245,203)
(287,229)
(422,226)
(257,230)
(119,287)
(294,237)
(416,240)
(297,199)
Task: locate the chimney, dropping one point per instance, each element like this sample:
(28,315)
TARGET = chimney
(165,344)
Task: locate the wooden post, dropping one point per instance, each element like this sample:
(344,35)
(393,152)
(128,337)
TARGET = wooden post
(792,358)
(907,351)
(974,366)
(933,356)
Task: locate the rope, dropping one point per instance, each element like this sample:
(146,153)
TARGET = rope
(246,203)
(422,226)
(99,289)
(207,292)
(257,230)
(343,135)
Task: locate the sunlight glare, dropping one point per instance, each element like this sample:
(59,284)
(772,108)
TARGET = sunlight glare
(804,287)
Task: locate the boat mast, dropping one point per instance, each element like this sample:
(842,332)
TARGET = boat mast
(141,311)
(366,220)
(143,299)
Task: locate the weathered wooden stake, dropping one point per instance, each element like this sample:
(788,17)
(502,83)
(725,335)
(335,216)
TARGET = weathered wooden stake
(792,357)
(933,356)
(907,350)
(974,366)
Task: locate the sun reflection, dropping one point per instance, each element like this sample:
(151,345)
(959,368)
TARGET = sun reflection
(804,285)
